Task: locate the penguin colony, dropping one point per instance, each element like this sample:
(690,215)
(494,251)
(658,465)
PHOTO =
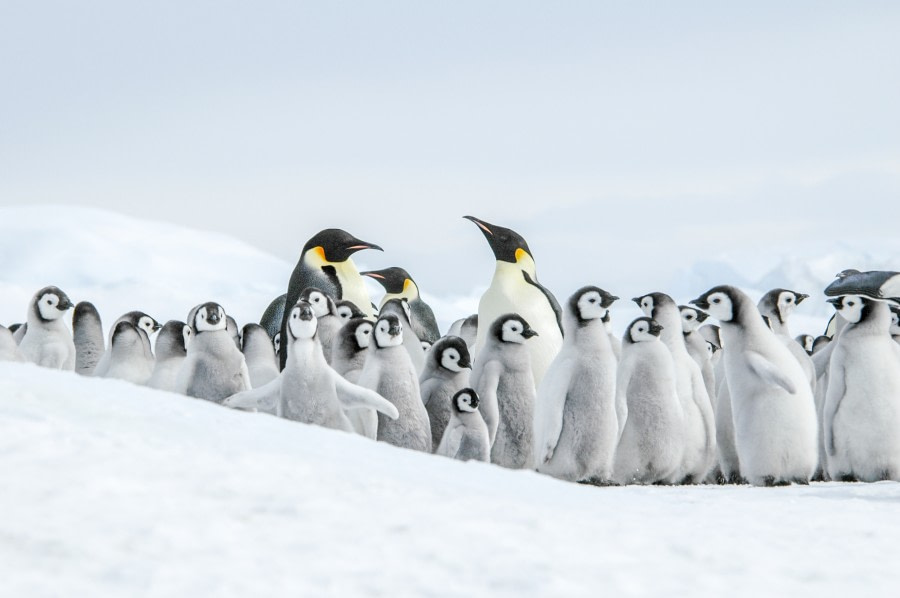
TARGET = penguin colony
(527,383)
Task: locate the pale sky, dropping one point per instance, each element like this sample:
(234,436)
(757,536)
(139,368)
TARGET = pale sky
(613,136)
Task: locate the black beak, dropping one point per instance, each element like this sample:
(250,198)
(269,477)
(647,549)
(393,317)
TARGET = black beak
(395,330)
(157,327)
(306,312)
(801,297)
(637,300)
(700,302)
(655,328)
(702,316)
(608,300)
(64,303)
(835,301)
(465,363)
(360,245)
(529,332)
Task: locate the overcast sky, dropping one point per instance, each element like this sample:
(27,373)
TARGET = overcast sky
(613,136)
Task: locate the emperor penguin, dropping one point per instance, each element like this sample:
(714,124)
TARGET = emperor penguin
(272,316)
(47,341)
(126,355)
(234,330)
(9,350)
(773,409)
(466,436)
(18,331)
(466,329)
(515,289)
(862,404)
(503,379)
(214,368)
(398,284)
(447,370)
(259,353)
(699,420)
(171,351)
(697,347)
(412,343)
(347,310)
(87,334)
(325,264)
(577,421)
(389,371)
(650,448)
(308,389)
(348,356)
(327,319)
(777,305)
(145,325)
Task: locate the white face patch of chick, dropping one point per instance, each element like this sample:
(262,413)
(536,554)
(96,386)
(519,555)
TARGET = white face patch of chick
(363,335)
(590,306)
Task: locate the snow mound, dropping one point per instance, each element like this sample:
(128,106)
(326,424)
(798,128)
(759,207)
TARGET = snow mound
(115,490)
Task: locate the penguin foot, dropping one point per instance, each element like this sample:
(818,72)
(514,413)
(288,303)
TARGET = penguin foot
(771,482)
(846,477)
(595,481)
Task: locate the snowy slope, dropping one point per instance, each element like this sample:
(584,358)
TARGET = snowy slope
(114,490)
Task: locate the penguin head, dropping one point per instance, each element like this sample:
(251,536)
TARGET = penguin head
(356,335)
(388,331)
(820,343)
(895,321)
(507,245)
(322,305)
(642,330)
(781,302)
(276,340)
(400,307)
(85,310)
(853,308)
(466,401)
(347,310)
(50,303)
(590,303)
(302,323)
(721,302)
(394,280)
(711,349)
(210,317)
(172,340)
(452,354)
(426,346)
(650,302)
(874,284)
(691,318)
(143,322)
(335,245)
(125,336)
(512,328)
(254,338)
(806,341)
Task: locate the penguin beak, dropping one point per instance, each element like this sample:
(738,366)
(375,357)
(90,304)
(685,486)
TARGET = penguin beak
(801,297)
(481,224)
(608,300)
(835,301)
(655,328)
(360,245)
(157,327)
(529,332)
(700,302)
(702,316)
(64,303)
(637,300)
(372,274)
(213,318)
(394,330)
(465,363)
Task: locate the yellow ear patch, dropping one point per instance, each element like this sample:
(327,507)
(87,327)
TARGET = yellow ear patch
(520,253)
(406,284)
(320,252)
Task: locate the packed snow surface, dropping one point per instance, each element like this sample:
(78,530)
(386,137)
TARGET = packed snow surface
(116,490)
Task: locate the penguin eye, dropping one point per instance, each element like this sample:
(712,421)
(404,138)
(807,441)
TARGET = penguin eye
(689,317)
(716,300)
(790,299)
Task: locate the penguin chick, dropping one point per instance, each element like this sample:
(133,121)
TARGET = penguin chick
(259,354)
(47,342)
(691,319)
(776,307)
(649,451)
(9,350)
(447,369)
(577,422)
(400,308)
(234,330)
(171,351)
(347,310)
(214,368)
(327,318)
(503,380)
(145,325)
(87,334)
(390,372)
(348,354)
(126,355)
(466,436)
(398,284)
(772,402)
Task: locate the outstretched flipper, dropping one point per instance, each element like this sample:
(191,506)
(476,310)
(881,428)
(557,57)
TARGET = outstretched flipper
(353,396)
(266,398)
(766,370)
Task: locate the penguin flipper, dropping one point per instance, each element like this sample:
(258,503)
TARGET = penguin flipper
(451,441)
(550,299)
(264,398)
(837,388)
(766,370)
(427,388)
(353,396)
(549,407)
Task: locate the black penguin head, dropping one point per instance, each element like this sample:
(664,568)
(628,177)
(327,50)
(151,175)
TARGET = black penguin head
(877,284)
(388,331)
(347,310)
(590,303)
(321,302)
(50,303)
(722,302)
(255,338)
(394,280)
(507,244)
(650,302)
(466,401)
(452,354)
(336,245)
(512,328)
(642,330)
(210,317)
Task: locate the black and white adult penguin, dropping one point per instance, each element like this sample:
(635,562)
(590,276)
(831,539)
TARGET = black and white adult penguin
(398,284)
(515,289)
(47,341)
(325,264)
(87,333)
(772,402)
(862,403)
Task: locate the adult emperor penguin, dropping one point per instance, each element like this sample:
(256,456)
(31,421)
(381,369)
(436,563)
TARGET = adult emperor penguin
(412,343)
(214,368)
(504,381)
(272,317)
(328,322)
(777,305)
(47,342)
(577,421)
(772,402)
(308,389)
(259,353)
(87,334)
(145,325)
(171,351)
(9,350)
(390,372)
(126,355)
(515,289)
(691,319)
(348,356)
(398,284)
(325,264)
(699,420)
(466,436)
(862,404)
(652,441)
(447,369)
